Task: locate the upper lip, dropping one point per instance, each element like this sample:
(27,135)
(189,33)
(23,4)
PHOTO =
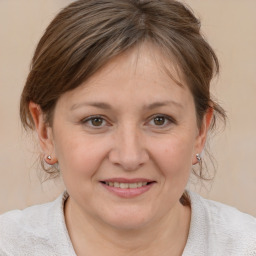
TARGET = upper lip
(125,180)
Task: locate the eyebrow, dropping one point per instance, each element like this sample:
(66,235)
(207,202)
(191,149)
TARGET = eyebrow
(103,105)
(100,105)
(162,104)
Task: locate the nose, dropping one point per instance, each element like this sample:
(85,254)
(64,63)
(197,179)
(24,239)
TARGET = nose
(128,150)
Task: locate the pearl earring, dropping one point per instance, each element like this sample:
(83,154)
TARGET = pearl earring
(198,157)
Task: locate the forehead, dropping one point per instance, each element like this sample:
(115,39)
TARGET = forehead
(142,73)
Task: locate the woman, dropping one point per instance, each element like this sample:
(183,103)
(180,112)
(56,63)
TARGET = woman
(118,94)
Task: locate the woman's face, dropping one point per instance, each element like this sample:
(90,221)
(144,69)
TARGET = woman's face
(125,141)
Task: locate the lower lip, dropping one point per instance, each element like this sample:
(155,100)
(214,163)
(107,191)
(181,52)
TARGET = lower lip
(128,192)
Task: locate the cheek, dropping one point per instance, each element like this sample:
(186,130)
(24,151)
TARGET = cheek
(173,155)
(79,156)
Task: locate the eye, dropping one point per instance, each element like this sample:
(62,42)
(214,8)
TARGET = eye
(95,121)
(161,121)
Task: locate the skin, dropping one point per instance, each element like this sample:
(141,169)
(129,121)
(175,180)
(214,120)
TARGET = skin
(128,143)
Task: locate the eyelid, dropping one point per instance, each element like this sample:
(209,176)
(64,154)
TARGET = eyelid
(167,117)
(86,120)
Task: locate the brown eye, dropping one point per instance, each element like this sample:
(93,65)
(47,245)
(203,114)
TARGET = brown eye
(97,121)
(159,120)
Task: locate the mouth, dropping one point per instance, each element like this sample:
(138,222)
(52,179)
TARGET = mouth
(127,188)
(125,185)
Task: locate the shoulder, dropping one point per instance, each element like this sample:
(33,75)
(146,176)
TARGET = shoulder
(31,215)
(31,230)
(228,218)
(226,227)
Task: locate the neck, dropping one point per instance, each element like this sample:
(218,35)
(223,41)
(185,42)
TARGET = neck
(166,236)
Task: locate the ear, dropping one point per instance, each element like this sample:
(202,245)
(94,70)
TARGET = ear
(44,132)
(202,135)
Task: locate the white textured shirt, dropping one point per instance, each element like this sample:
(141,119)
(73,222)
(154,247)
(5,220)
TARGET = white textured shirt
(215,230)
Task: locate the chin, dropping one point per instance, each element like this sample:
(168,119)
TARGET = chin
(127,219)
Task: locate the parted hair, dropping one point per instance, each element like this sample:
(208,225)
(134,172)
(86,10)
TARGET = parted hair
(87,34)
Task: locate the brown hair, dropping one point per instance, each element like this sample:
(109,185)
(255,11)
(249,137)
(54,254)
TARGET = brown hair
(85,35)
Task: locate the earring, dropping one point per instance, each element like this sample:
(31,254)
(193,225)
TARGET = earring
(50,160)
(198,157)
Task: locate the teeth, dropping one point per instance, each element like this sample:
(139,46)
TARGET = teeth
(133,185)
(139,184)
(126,185)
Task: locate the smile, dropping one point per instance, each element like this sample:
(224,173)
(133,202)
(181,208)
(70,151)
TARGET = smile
(127,188)
(126,185)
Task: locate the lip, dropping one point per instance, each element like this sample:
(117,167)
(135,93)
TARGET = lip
(125,180)
(128,192)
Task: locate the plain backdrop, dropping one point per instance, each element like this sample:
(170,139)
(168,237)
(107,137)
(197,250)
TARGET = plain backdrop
(229,26)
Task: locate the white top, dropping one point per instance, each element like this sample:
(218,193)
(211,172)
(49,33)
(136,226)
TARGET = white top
(215,230)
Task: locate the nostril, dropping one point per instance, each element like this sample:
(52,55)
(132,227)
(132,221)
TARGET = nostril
(128,152)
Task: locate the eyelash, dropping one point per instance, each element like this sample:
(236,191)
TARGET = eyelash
(91,118)
(167,119)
